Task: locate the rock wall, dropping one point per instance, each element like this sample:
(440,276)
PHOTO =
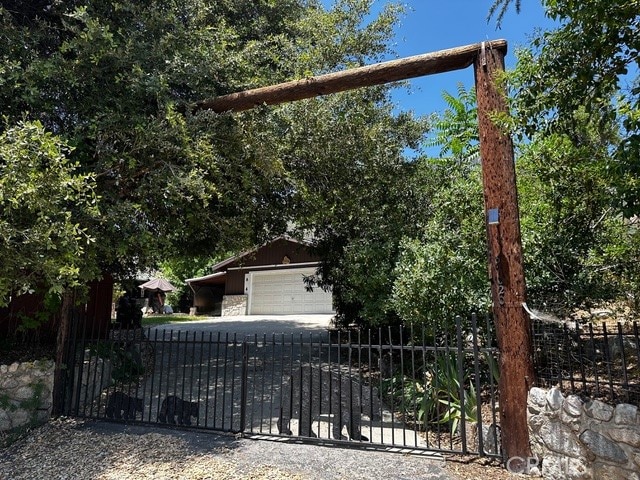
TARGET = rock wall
(25,393)
(233,305)
(583,440)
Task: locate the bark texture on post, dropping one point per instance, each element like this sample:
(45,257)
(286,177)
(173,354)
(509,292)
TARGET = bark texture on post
(367,76)
(508,288)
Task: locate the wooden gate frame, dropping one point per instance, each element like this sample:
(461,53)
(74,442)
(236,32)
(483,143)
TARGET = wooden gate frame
(506,268)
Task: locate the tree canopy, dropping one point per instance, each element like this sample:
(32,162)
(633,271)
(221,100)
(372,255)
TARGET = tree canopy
(44,203)
(113,80)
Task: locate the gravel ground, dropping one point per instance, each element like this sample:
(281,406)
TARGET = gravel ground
(72,449)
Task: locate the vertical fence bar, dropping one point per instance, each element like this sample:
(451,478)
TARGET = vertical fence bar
(79,359)
(273,374)
(200,380)
(568,350)
(224,379)
(494,352)
(339,406)
(98,401)
(171,371)
(350,413)
(320,386)
(370,382)
(149,371)
(331,372)
(476,371)
(636,341)
(206,401)
(393,423)
(403,406)
(291,377)
(593,361)
(381,384)
(311,391)
(447,365)
(233,381)
(254,385)
(70,364)
(243,392)
(192,368)
(461,382)
(625,378)
(414,389)
(184,365)
(608,361)
(423,378)
(581,354)
(162,361)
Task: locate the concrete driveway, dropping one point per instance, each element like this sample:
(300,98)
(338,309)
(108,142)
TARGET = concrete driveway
(318,324)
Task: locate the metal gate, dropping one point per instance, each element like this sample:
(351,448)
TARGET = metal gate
(395,388)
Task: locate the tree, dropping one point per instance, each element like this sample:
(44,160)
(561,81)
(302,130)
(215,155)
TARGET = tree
(348,190)
(589,63)
(576,99)
(115,81)
(441,269)
(44,202)
(569,217)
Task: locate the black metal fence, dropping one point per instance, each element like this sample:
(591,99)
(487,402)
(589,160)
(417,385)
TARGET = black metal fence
(598,361)
(405,388)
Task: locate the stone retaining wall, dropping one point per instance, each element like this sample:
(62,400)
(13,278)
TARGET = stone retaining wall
(233,305)
(583,440)
(25,393)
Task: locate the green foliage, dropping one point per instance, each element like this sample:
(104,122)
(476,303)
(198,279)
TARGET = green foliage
(576,100)
(434,398)
(588,64)
(33,403)
(441,271)
(44,201)
(6,403)
(125,358)
(456,129)
(116,80)
(345,186)
(501,7)
(30,405)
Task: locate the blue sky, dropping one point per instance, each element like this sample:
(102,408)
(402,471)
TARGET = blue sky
(429,26)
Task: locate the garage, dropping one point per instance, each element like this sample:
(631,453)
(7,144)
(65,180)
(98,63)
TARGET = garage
(264,280)
(284,292)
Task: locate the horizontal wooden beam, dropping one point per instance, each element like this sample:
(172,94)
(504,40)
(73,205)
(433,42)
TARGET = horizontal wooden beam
(376,74)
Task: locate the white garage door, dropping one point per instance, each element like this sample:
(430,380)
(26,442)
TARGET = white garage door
(283,292)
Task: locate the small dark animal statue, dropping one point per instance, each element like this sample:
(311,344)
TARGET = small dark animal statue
(327,392)
(174,407)
(120,405)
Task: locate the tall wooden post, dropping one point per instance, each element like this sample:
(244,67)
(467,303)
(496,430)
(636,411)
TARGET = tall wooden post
(505,256)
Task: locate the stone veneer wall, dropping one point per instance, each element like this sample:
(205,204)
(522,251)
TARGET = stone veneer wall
(25,393)
(583,440)
(233,305)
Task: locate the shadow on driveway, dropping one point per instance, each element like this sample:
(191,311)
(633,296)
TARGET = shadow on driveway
(260,325)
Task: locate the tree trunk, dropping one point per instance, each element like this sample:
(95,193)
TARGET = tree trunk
(61,374)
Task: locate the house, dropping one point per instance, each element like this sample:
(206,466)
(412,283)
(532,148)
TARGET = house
(265,280)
